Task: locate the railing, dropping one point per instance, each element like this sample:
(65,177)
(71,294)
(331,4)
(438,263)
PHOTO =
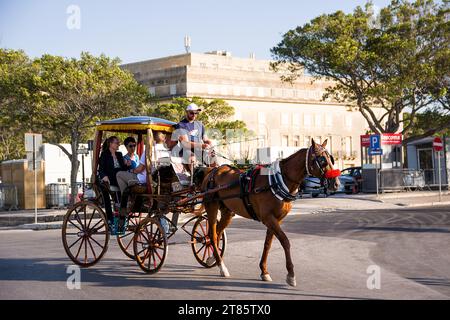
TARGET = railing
(402,179)
(8,197)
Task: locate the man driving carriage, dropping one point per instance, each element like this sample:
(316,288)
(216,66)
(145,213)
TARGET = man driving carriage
(192,136)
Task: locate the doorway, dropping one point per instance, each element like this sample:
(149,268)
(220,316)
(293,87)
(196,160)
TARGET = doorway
(426,163)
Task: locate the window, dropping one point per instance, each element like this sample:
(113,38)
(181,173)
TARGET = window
(328,120)
(296,119)
(202,65)
(284,119)
(260,92)
(348,146)
(173,89)
(307,141)
(296,141)
(284,140)
(248,91)
(261,117)
(330,144)
(318,121)
(348,121)
(307,120)
(152,91)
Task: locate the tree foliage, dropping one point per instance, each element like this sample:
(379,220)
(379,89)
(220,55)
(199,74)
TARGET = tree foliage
(215,113)
(63,98)
(382,64)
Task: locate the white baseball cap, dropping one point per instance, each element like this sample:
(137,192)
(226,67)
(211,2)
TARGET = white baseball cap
(193,107)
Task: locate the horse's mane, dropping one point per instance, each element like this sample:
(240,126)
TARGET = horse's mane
(293,155)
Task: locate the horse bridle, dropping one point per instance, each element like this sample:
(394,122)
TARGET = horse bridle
(320,161)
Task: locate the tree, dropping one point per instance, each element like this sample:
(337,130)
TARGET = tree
(215,114)
(17,90)
(65,97)
(383,66)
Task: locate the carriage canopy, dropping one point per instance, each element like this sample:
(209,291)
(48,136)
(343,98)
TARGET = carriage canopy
(136,124)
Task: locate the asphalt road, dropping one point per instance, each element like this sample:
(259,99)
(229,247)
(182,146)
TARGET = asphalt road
(331,251)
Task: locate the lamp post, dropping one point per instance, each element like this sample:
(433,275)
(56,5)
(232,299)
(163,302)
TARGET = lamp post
(83,151)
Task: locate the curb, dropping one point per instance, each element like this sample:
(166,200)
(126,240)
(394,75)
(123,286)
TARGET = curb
(443,203)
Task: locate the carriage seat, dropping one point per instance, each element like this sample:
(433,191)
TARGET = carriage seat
(184,176)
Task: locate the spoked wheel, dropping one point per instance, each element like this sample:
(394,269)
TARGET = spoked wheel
(125,241)
(201,244)
(85,234)
(150,245)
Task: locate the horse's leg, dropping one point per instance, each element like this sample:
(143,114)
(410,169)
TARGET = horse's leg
(224,222)
(212,210)
(265,276)
(274,225)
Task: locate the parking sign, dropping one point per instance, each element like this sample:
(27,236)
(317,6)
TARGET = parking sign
(375,142)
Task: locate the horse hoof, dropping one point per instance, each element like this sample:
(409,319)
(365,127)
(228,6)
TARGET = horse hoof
(266,277)
(291,281)
(210,261)
(224,271)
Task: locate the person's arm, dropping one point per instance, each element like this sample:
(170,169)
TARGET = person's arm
(102,163)
(123,165)
(138,169)
(186,143)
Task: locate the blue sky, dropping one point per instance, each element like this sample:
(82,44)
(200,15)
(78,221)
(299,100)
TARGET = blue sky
(139,30)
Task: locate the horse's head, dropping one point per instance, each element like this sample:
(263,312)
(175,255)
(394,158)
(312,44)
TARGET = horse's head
(319,163)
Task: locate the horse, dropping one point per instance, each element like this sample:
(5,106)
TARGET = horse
(269,200)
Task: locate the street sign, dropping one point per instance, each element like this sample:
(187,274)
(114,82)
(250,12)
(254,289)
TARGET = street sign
(375,152)
(375,142)
(438,145)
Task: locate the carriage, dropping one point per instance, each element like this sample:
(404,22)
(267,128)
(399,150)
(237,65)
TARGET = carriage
(151,207)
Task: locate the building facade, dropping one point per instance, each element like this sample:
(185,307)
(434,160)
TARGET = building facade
(281,114)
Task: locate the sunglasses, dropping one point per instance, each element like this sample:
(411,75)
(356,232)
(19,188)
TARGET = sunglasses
(131,146)
(191,112)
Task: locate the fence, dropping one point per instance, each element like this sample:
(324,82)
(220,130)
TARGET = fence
(57,195)
(8,197)
(402,179)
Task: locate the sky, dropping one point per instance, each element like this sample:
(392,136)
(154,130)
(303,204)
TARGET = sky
(136,30)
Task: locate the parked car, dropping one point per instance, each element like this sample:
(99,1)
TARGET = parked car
(313,186)
(351,180)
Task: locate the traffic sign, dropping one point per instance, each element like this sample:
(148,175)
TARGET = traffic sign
(438,145)
(375,141)
(375,152)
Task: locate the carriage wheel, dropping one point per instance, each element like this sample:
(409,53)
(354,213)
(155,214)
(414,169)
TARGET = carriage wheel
(125,241)
(150,245)
(85,234)
(201,244)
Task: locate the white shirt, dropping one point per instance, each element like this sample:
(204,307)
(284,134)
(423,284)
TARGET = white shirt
(159,152)
(142,176)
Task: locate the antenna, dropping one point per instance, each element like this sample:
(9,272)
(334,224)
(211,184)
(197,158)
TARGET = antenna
(187,43)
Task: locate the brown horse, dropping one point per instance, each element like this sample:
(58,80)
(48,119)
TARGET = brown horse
(264,199)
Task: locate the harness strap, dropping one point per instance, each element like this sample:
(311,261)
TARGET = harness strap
(246,183)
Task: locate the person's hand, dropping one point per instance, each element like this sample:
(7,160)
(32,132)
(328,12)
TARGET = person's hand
(205,146)
(128,162)
(105,179)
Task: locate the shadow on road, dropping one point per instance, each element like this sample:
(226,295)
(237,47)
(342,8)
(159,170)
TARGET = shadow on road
(121,273)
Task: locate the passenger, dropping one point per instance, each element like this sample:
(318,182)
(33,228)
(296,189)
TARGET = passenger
(139,174)
(131,158)
(110,163)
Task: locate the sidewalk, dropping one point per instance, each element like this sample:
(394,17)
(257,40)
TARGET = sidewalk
(52,218)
